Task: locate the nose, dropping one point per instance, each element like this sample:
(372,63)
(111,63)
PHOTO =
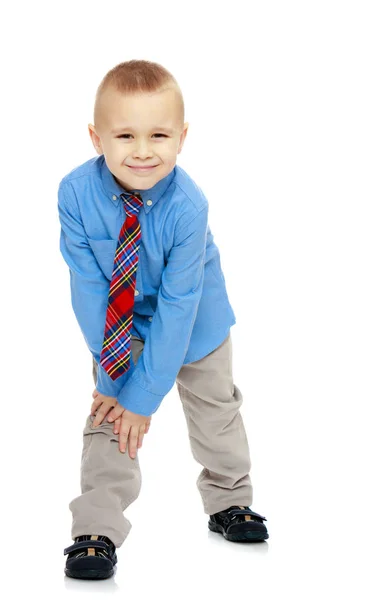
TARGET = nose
(142,150)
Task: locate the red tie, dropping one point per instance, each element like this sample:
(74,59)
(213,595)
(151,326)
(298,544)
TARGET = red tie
(116,349)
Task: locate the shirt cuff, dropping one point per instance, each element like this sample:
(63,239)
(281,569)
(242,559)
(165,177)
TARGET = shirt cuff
(107,386)
(138,400)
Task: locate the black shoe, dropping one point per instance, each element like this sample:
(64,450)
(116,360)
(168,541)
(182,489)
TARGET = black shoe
(239,524)
(91,557)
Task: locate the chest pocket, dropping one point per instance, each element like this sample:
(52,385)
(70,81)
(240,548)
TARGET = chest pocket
(104,252)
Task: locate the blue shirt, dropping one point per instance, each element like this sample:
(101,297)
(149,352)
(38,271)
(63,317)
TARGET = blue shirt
(181,306)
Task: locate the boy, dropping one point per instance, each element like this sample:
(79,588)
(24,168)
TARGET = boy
(150,298)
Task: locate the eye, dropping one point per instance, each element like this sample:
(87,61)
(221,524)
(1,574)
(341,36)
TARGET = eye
(125,135)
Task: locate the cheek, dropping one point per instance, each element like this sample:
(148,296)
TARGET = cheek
(169,151)
(113,153)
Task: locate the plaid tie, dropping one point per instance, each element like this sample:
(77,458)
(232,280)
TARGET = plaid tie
(116,349)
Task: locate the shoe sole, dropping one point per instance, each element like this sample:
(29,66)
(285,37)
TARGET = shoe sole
(89,574)
(245,536)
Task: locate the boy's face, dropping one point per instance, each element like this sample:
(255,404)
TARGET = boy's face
(141,140)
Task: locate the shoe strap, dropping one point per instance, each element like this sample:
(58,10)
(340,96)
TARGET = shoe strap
(88,544)
(246,511)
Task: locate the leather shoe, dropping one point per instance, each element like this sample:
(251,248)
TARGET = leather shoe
(239,524)
(91,557)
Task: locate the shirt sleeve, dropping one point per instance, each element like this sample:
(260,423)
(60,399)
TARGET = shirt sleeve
(169,334)
(89,286)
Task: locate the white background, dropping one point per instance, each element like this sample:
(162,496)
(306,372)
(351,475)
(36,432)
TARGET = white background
(288,110)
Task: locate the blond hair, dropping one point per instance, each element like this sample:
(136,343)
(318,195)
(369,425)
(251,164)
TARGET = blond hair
(135,76)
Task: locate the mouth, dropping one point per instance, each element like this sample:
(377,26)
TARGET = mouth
(142,169)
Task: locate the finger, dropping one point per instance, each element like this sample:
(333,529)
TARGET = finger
(133,441)
(95,393)
(101,414)
(116,427)
(140,438)
(95,405)
(98,419)
(115,413)
(123,436)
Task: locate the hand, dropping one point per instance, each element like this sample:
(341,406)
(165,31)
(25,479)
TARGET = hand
(102,404)
(125,421)
(116,427)
(132,428)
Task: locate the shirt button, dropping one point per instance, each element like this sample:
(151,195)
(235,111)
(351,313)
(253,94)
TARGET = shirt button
(114,197)
(149,202)
(150,318)
(136,293)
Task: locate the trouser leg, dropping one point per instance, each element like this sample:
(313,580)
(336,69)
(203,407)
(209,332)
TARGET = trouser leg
(110,480)
(217,435)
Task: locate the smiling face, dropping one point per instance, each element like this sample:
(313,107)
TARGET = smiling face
(139,130)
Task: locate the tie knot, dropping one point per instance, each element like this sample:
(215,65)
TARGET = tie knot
(132,202)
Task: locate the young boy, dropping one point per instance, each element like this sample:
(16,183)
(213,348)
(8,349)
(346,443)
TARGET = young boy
(150,298)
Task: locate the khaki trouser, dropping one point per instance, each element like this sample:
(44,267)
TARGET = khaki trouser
(111,480)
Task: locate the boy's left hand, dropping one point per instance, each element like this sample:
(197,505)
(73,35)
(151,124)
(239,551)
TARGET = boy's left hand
(132,426)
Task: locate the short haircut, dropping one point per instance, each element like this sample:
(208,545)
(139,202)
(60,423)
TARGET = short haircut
(135,76)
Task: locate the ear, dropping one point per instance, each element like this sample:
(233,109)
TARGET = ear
(183,136)
(95,138)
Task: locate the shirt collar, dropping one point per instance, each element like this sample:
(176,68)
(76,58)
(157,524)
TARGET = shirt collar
(150,197)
